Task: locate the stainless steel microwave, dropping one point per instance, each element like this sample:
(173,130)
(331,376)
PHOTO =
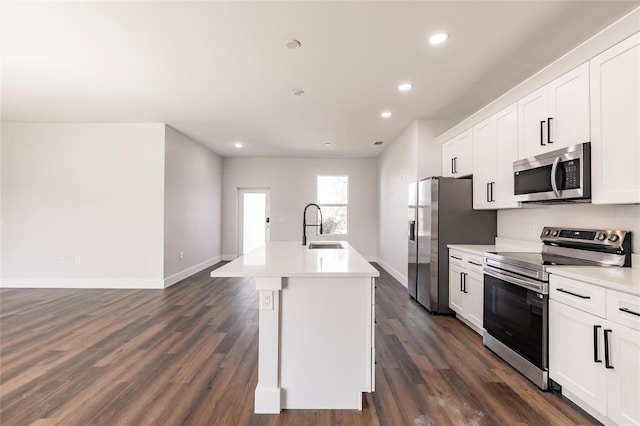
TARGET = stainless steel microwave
(563,175)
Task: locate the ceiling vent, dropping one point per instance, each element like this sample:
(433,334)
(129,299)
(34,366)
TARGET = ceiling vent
(378,143)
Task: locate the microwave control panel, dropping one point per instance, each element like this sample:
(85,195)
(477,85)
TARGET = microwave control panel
(570,174)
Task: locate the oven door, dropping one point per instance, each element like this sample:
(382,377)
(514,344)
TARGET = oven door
(558,175)
(517,317)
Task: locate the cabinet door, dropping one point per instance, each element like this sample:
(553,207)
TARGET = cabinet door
(474,302)
(448,155)
(506,145)
(623,381)
(484,163)
(464,160)
(569,109)
(615,124)
(572,354)
(456,296)
(457,155)
(532,116)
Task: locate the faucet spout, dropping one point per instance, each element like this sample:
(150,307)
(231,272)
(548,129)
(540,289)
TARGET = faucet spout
(304,222)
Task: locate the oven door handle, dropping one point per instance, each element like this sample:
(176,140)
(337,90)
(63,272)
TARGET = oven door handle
(554,175)
(511,278)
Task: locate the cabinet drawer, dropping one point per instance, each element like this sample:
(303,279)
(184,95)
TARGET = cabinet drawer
(623,308)
(583,296)
(457,258)
(473,263)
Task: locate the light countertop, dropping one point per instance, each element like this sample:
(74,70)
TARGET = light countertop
(292,259)
(472,249)
(626,280)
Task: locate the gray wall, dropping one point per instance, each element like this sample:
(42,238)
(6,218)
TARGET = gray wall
(292,184)
(93,191)
(192,206)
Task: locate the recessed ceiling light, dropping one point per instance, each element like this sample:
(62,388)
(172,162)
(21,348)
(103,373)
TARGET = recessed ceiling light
(438,38)
(385,114)
(292,44)
(327,144)
(298,92)
(405,87)
(238,144)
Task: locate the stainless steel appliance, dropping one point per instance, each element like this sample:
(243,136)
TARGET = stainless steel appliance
(516,291)
(441,213)
(559,176)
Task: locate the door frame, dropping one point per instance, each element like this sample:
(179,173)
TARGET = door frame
(240,216)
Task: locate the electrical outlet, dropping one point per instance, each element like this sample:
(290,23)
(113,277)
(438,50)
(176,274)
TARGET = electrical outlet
(266,300)
(78,260)
(181,255)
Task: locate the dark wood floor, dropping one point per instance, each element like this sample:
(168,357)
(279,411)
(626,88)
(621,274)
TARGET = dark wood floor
(188,355)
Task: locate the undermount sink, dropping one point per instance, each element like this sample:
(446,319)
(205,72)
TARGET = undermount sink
(313,246)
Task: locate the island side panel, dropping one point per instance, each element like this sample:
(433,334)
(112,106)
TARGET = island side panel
(326,342)
(268,392)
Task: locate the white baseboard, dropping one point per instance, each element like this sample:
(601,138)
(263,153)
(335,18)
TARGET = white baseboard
(175,278)
(86,283)
(229,257)
(395,274)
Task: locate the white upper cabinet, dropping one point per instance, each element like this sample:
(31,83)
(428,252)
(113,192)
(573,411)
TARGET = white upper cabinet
(457,155)
(495,148)
(484,163)
(615,124)
(556,115)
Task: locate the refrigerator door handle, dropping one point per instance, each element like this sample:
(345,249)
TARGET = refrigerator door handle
(412,230)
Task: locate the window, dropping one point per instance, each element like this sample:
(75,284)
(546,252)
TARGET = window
(333,199)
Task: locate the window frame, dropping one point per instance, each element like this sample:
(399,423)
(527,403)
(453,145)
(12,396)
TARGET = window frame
(346,205)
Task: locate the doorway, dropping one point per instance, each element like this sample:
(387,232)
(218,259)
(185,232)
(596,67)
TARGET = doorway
(253,220)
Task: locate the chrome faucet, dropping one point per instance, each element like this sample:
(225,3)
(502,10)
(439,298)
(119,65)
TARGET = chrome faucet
(304,222)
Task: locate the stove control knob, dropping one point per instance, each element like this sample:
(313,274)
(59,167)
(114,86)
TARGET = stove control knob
(546,232)
(554,233)
(613,238)
(602,237)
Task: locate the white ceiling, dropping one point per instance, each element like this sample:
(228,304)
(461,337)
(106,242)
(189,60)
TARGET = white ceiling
(219,71)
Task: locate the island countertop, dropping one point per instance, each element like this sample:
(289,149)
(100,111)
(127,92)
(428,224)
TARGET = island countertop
(292,259)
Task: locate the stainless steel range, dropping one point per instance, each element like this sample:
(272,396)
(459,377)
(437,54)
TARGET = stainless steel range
(516,292)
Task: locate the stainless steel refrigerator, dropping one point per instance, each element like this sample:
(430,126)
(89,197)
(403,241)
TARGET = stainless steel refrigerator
(440,213)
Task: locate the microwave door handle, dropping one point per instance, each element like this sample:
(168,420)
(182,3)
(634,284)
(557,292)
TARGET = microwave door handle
(554,174)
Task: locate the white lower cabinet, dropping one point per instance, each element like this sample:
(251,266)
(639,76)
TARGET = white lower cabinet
(572,355)
(466,288)
(596,359)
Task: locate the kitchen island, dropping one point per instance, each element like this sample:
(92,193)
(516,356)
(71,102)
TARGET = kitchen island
(316,324)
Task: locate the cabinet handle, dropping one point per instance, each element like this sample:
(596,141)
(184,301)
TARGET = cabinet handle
(542,133)
(452,161)
(574,294)
(549,130)
(595,343)
(464,280)
(488,192)
(461,285)
(456,257)
(455,164)
(629,311)
(606,349)
(492,186)
(474,263)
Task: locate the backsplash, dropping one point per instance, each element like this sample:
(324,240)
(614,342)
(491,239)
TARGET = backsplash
(527,222)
